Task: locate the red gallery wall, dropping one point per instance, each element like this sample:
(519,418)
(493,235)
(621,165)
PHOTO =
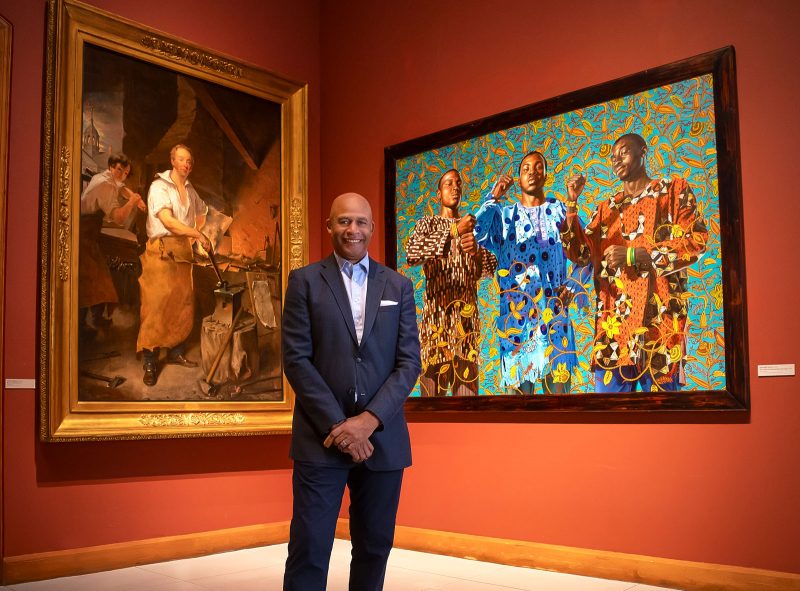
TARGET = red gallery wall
(670,486)
(385,72)
(60,496)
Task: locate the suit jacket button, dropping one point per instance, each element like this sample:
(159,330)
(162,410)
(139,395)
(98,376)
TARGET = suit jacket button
(358,359)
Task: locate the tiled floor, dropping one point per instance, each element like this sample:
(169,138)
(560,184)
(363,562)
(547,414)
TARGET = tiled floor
(262,569)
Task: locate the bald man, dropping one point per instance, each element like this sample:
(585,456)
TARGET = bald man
(351,354)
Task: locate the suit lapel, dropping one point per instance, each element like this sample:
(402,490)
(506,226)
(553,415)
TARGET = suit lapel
(333,277)
(375,286)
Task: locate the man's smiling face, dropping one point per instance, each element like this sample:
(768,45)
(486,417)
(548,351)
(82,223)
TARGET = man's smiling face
(350,226)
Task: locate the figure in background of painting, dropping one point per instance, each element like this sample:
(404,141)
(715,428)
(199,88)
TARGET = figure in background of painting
(105,199)
(452,263)
(175,213)
(640,242)
(535,334)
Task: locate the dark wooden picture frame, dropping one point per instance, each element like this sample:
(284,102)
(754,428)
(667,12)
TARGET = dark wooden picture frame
(414,167)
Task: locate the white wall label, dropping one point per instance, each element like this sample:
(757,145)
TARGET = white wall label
(782,369)
(20,384)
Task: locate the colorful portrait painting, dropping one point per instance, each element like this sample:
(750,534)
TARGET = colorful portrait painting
(573,254)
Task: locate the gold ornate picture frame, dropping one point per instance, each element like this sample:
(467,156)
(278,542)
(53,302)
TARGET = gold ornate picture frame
(113,86)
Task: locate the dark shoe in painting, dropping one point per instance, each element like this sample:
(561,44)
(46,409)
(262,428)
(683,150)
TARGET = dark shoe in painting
(150,373)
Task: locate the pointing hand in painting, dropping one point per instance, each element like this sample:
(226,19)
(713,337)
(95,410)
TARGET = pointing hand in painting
(501,186)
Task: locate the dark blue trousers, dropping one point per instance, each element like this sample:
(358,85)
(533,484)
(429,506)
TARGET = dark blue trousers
(318,491)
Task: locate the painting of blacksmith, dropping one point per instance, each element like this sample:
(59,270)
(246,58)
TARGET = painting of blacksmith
(180,238)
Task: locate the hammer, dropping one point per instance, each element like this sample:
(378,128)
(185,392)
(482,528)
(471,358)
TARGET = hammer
(112,382)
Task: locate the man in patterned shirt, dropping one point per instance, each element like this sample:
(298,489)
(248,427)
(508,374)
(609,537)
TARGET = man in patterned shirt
(535,336)
(452,263)
(640,242)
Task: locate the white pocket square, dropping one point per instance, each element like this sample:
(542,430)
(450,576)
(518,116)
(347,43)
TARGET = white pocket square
(388,303)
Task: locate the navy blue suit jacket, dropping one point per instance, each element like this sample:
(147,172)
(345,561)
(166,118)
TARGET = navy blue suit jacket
(334,377)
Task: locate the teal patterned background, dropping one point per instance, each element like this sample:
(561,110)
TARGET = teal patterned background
(676,120)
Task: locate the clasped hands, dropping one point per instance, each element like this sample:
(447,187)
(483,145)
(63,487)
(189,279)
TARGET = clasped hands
(351,436)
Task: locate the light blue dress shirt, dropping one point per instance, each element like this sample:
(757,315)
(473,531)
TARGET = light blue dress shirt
(355,284)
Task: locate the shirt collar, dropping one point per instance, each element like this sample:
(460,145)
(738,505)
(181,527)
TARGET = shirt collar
(340,262)
(653,189)
(166,176)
